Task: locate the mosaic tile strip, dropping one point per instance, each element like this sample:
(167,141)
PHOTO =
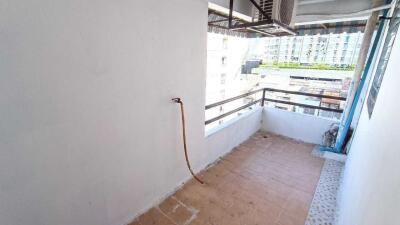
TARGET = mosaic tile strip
(323,207)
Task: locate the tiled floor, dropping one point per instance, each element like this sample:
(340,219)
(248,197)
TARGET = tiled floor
(268,180)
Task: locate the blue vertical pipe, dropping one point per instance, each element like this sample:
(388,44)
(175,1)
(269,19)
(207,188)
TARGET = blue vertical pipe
(343,130)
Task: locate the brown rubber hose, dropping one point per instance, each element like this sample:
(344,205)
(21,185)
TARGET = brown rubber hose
(178,100)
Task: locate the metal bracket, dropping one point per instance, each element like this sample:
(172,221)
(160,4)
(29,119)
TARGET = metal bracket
(258,26)
(264,22)
(385,18)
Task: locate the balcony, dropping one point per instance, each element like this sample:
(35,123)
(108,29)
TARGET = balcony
(89,134)
(264,170)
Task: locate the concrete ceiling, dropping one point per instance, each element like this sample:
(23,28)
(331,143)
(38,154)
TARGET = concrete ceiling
(309,11)
(318,10)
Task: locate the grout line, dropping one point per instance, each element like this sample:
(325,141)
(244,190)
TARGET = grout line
(191,209)
(169,218)
(175,208)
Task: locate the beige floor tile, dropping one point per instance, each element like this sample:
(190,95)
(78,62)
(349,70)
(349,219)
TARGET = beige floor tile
(264,181)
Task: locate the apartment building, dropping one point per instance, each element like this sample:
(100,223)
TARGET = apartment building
(334,49)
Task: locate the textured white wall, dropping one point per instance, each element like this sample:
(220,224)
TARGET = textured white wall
(88,134)
(298,126)
(370,193)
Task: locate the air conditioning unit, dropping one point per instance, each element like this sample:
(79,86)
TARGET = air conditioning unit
(282,11)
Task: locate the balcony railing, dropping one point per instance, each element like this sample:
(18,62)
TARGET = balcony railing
(264,99)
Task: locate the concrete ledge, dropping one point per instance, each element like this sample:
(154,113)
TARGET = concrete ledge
(224,138)
(303,127)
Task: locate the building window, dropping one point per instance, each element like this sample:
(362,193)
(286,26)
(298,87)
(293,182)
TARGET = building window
(281,107)
(309,111)
(225,43)
(223,78)
(223,81)
(223,60)
(383,60)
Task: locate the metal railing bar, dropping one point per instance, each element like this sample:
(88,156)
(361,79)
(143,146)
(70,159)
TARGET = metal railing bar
(304,105)
(306,94)
(273,90)
(231,99)
(231,112)
(263,99)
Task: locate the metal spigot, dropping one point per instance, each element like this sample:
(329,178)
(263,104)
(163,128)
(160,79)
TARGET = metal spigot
(176,100)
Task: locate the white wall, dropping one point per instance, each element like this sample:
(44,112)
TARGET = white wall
(307,128)
(88,134)
(221,140)
(370,193)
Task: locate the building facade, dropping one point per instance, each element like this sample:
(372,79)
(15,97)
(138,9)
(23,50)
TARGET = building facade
(333,49)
